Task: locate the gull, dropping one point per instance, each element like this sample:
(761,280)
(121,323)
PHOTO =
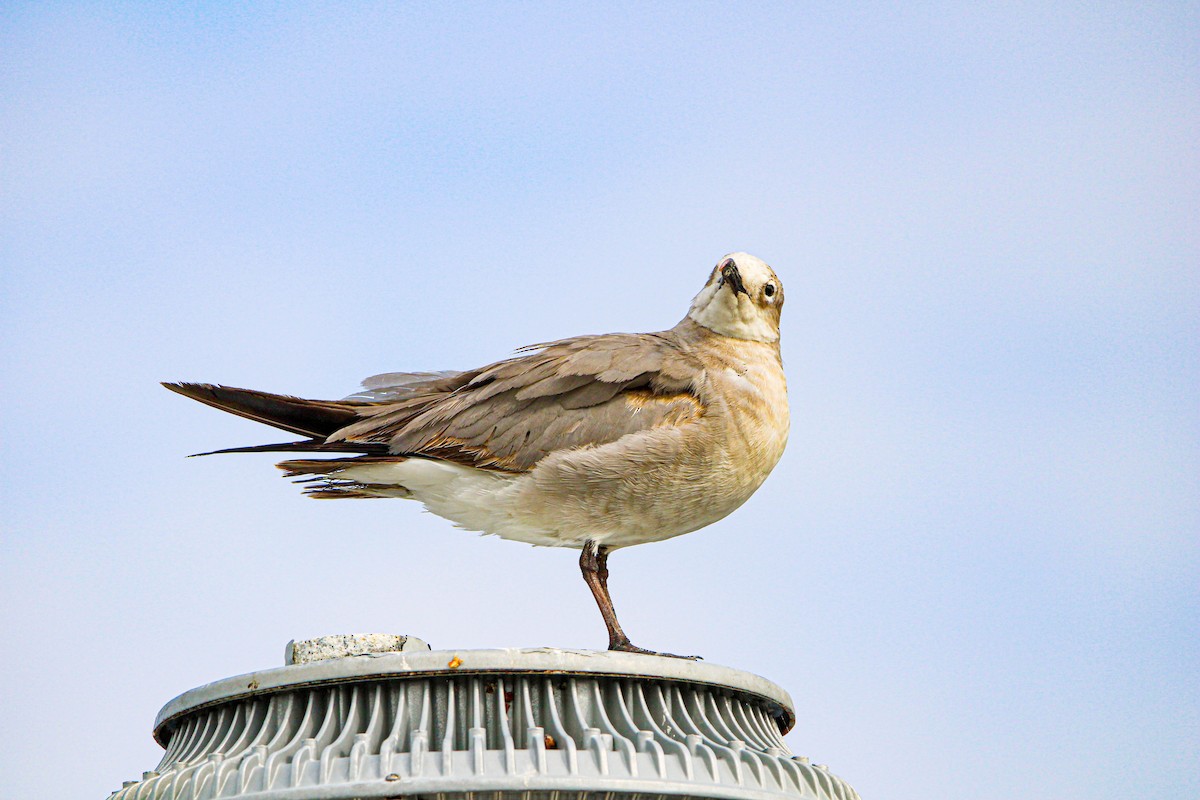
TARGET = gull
(593,442)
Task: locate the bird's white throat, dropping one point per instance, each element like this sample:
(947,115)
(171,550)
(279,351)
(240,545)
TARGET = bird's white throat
(722,311)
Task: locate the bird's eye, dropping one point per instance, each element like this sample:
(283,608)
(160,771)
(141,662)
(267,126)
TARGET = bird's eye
(769,289)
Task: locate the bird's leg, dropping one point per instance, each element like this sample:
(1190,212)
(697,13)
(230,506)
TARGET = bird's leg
(593,563)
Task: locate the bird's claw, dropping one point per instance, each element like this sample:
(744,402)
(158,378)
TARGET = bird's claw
(628,647)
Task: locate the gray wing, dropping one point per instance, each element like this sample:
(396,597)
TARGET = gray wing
(578,392)
(392,386)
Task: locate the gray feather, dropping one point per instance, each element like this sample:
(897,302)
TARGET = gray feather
(586,391)
(398,385)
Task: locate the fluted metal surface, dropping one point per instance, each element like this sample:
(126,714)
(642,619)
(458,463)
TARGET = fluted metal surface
(483,735)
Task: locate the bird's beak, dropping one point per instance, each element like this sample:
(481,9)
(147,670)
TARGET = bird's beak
(730,274)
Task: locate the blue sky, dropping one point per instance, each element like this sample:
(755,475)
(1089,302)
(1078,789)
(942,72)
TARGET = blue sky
(976,567)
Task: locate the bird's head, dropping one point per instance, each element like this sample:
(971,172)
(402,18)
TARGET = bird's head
(742,299)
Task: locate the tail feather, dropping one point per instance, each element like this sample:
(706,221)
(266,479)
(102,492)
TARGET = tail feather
(328,481)
(314,418)
(314,466)
(306,446)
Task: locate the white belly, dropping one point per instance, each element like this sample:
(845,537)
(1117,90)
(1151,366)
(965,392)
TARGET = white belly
(568,499)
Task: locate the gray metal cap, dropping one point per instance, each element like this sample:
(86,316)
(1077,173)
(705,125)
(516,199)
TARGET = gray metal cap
(510,723)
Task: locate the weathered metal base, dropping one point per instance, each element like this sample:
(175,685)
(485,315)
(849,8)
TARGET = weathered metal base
(527,723)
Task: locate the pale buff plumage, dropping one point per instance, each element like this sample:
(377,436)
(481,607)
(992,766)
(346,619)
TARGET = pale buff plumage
(597,442)
(646,486)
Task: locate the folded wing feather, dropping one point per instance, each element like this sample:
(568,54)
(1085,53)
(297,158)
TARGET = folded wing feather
(589,390)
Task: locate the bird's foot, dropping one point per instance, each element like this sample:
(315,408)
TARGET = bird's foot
(626,646)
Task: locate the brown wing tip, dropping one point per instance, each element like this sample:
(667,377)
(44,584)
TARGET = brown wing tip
(187,389)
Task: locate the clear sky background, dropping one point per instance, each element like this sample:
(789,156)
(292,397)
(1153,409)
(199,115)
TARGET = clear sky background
(976,568)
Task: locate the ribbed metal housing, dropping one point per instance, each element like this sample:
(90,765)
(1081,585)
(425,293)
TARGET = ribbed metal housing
(483,724)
